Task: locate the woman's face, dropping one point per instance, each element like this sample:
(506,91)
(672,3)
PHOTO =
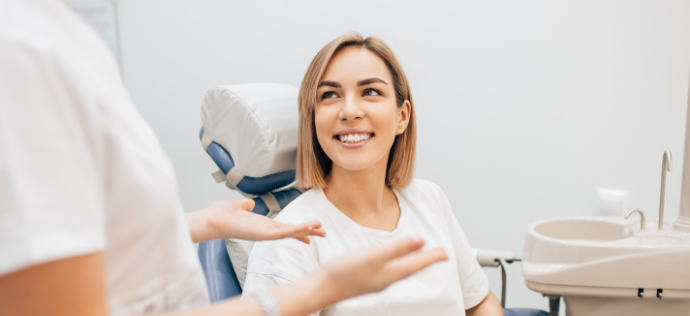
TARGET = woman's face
(356,115)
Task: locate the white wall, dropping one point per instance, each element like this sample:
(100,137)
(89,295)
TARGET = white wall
(524,107)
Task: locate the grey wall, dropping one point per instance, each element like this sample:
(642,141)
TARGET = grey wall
(524,108)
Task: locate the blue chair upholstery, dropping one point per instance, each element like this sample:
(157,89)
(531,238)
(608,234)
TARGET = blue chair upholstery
(220,275)
(283,198)
(249,185)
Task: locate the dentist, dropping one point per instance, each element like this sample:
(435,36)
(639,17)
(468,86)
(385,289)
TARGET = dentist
(90,218)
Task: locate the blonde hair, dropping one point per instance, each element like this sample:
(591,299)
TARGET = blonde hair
(313,165)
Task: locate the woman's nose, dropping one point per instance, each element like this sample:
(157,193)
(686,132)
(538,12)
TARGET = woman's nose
(351,110)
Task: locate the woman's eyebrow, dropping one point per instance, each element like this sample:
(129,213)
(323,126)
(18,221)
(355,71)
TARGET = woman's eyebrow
(367,81)
(329,83)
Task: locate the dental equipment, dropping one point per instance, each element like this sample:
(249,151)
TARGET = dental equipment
(605,266)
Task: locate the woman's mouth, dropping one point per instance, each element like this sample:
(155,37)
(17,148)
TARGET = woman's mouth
(353,140)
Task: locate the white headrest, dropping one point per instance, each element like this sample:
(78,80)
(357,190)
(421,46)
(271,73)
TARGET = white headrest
(256,123)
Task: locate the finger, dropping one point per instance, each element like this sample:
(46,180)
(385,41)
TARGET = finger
(318,232)
(246,204)
(287,230)
(312,224)
(405,266)
(314,232)
(398,248)
(301,229)
(304,239)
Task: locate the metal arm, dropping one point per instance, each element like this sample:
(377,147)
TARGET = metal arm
(492,258)
(683,220)
(666,165)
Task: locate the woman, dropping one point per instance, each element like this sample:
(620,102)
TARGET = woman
(90,218)
(356,158)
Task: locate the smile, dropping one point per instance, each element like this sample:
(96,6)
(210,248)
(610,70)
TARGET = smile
(353,138)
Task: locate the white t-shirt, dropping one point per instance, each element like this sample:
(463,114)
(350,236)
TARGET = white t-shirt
(446,288)
(81,171)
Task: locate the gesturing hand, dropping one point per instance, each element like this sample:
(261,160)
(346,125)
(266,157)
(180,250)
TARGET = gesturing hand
(375,269)
(234,219)
(354,274)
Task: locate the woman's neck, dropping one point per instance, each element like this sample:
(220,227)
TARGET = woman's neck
(364,196)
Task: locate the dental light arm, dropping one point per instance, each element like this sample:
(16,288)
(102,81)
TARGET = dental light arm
(490,258)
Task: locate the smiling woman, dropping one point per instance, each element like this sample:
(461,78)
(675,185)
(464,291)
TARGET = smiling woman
(357,138)
(378,80)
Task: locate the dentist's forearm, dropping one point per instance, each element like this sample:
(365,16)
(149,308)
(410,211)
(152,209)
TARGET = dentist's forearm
(307,296)
(298,299)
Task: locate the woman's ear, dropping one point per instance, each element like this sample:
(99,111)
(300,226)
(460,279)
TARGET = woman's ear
(403,117)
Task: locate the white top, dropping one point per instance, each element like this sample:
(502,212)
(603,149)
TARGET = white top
(446,288)
(80,170)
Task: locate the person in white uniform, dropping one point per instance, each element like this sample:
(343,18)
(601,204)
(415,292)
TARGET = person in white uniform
(90,218)
(356,158)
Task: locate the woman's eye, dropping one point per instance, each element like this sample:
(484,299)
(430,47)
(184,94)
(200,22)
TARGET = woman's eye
(328,95)
(371,92)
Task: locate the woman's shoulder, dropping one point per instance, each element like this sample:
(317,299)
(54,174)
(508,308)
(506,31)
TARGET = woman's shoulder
(302,208)
(424,187)
(425,194)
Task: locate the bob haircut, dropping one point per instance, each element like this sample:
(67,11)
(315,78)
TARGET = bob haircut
(313,165)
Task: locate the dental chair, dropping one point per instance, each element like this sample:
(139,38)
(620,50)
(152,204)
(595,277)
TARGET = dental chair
(250,133)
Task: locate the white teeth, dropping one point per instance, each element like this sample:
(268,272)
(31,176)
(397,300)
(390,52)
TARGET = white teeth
(354,138)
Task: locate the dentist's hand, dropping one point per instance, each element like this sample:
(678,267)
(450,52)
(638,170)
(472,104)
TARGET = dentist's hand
(234,219)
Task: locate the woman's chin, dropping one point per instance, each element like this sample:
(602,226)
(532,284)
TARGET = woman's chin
(354,164)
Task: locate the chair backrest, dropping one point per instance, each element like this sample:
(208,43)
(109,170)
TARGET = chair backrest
(250,132)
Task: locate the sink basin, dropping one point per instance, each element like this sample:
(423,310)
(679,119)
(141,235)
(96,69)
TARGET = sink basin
(582,229)
(609,262)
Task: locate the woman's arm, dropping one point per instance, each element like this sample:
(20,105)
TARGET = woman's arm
(234,219)
(488,307)
(473,281)
(75,286)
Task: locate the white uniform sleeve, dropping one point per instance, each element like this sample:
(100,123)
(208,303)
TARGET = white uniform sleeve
(473,281)
(51,192)
(295,259)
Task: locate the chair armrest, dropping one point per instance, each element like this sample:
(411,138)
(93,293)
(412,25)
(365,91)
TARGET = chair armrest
(220,276)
